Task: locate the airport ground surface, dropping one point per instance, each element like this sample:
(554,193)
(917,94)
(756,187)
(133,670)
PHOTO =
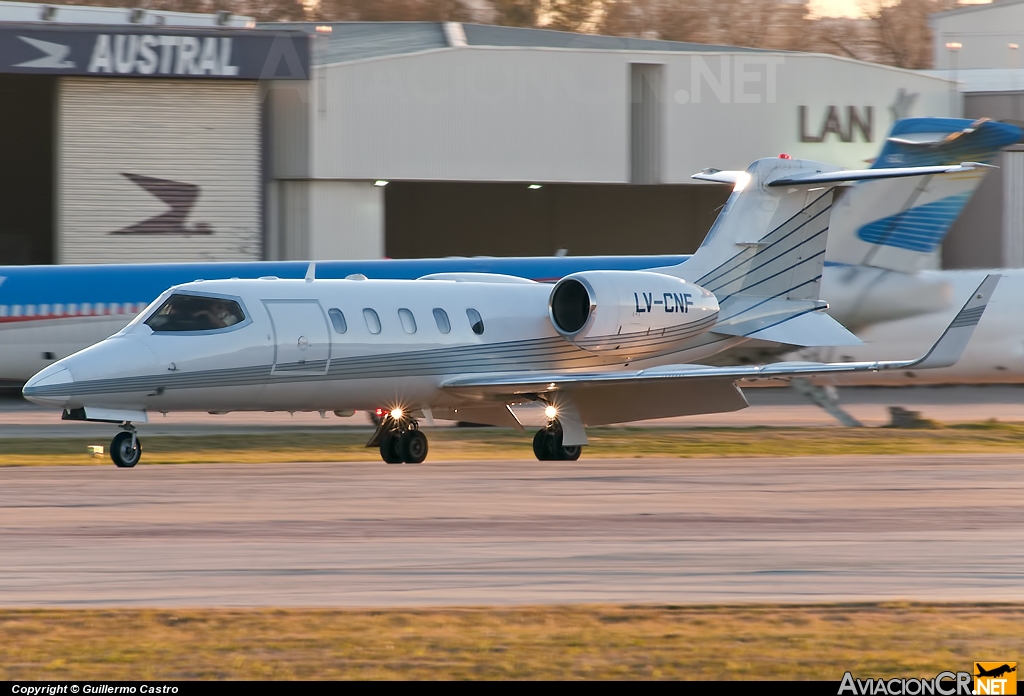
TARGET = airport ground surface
(798,529)
(776,407)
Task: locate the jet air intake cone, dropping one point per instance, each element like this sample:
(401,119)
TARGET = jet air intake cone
(570,306)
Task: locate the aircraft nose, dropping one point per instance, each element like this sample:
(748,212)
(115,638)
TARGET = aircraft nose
(71,381)
(50,386)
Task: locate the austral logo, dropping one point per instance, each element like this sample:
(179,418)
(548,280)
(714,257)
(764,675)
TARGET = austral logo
(180,197)
(54,55)
(146,54)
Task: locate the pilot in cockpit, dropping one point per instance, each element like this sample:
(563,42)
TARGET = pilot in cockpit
(218,314)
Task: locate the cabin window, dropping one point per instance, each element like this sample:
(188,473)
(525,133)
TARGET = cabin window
(372,320)
(441,317)
(338,320)
(408,320)
(195,313)
(476,322)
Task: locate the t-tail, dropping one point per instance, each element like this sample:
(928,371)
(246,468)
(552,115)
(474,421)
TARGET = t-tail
(763,257)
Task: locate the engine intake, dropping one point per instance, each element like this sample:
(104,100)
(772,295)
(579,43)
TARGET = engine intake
(571,306)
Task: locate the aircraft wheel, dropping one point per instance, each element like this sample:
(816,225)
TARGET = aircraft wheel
(121,451)
(543,445)
(389,448)
(413,446)
(571,454)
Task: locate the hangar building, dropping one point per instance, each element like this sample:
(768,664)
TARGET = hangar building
(134,140)
(497,140)
(134,136)
(979,47)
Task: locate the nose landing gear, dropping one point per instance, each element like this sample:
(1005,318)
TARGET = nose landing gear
(126,448)
(400,439)
(547,444)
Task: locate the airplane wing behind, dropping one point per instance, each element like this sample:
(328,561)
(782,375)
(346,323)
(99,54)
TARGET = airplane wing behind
(679,390)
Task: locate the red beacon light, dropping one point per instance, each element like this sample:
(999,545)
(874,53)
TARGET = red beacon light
(784,156)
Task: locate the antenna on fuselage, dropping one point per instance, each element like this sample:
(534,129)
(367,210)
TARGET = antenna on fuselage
(311,272)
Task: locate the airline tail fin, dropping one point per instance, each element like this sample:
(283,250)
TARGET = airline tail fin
(898,226)
(764,255)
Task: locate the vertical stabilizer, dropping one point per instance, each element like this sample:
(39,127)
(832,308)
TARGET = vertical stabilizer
(764,256)
(767,241)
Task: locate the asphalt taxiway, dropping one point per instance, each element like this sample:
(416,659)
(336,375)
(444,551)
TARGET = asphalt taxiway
(774,407)
(515,532)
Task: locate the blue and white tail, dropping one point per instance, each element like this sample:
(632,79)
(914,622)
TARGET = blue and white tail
(899,225)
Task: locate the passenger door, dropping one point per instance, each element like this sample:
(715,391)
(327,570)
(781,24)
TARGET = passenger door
(302,342)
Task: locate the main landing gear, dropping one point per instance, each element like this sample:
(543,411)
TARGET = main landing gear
(125,448)
(547,444)
(400,439)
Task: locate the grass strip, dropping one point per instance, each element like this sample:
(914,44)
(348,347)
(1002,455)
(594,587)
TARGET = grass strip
(496,443)
(562,642)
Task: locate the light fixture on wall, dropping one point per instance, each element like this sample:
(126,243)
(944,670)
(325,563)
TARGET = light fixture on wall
(381,182)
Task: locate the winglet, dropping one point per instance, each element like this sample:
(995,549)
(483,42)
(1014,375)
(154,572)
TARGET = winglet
(951,344)
(311,272)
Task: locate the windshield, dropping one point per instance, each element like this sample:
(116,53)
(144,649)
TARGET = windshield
(195,313)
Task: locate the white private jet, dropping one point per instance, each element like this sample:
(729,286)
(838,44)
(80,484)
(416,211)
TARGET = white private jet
(593,348)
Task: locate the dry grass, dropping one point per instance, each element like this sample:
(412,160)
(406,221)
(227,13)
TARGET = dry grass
(586,642)
(495,443)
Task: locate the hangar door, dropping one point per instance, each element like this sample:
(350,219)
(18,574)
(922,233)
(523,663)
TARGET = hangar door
(158,170)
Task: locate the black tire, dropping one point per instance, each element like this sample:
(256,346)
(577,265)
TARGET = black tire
(121,451)
(571,453)
(389,448)
(542,448)
(413,447)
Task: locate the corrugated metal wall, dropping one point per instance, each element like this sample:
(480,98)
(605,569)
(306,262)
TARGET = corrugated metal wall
(563,115)
(645,127)
(346,220)
(468,114)
(330,220)
(158,170)
(1013,209)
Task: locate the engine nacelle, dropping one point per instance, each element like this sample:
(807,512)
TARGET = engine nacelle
(630,312)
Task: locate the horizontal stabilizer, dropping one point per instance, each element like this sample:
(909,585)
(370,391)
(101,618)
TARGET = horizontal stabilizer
(721,176)
(806,328)
(845,175)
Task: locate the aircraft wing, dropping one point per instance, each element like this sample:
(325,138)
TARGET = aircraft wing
(687,389)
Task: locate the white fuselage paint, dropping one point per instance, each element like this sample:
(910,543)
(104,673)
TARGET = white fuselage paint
(256,364)
(863,299)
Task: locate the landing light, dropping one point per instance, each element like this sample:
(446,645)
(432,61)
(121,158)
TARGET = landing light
(397,413)
(533,187)
(381,182)
(550,411)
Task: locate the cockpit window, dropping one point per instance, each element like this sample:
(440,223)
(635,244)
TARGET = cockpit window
(194,313)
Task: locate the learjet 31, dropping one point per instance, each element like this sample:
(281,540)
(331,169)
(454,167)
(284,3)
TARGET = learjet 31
(598,347)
